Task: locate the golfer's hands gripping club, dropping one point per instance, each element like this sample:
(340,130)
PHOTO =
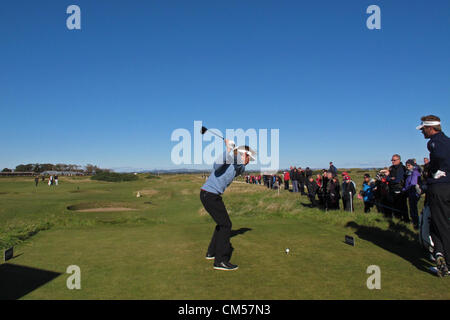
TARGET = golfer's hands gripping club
(230,144)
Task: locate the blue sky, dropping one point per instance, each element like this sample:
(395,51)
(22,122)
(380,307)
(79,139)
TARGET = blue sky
(112,93)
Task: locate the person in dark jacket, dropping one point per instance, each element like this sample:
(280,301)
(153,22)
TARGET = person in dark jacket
(438,190)
(382,197)
(348,193)
(333,192)
(294,179)
(325,178)
(332,169)
(312,187)
(308,173)
(323,188)
(396,178)
(424,178)
(425,170)
(320,194)
(266,180)
(301,181)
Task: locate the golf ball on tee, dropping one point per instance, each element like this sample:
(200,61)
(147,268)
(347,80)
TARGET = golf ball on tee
(287,250)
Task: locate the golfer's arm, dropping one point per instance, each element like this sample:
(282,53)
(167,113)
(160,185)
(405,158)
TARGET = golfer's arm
(226,158)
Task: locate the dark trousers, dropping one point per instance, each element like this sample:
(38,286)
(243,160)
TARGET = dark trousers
(302,187)
(367,206)
(438,196)
(346,204)
(332,203)
(320,196)
(286,184)
(220,245)
(400,207)
(413,212)
(312,198)
(384,205)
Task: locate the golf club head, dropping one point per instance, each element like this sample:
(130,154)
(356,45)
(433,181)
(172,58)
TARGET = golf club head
(204,129)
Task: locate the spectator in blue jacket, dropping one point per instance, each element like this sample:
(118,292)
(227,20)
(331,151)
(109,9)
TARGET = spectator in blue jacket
(367,193)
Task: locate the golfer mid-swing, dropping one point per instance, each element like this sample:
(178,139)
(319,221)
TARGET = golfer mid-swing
(225,169)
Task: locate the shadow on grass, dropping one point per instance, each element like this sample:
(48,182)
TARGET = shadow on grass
(16,281)
(397,239)
(239,231)
(309,205)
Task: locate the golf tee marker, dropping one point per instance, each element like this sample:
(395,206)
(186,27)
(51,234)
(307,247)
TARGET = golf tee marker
(350,240)
(8,254)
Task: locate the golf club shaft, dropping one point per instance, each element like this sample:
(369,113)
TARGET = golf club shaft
(216,134)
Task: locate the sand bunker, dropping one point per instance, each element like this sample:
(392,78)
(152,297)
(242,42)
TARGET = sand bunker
(99,207)
(148,192)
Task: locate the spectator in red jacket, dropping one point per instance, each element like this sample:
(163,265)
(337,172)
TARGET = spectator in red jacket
(286,180)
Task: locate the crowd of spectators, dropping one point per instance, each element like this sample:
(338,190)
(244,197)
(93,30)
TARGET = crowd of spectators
(394,191)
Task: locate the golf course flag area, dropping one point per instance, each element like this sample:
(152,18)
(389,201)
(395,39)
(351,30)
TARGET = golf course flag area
(214,159)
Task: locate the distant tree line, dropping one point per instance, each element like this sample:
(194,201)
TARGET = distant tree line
(42,167)
(115,177)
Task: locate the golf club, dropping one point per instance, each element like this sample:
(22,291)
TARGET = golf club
(204,129)
(242,149)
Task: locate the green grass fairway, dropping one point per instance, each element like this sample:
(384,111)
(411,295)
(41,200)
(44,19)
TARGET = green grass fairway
(156,249)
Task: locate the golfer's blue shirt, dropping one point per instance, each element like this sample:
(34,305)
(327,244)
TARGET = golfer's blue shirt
(226,169)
